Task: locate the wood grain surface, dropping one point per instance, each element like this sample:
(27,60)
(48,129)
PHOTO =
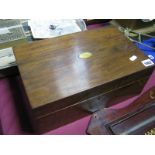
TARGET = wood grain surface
(51,69)
(54,77)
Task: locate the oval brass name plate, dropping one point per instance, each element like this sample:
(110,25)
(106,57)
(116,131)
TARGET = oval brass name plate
(85,55)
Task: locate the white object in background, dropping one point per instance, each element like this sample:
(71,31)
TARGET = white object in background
(147,20)
(7,58)
(4,30)
(133,58)
(151,56)
(147,62)
(52,28)
(6,51)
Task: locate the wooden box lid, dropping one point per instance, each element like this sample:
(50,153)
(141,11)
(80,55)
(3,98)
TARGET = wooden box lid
(52,70)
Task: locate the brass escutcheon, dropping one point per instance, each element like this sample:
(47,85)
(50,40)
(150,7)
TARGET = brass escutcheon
(85,55)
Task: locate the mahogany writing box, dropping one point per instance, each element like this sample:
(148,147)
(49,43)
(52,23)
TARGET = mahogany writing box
(61,86)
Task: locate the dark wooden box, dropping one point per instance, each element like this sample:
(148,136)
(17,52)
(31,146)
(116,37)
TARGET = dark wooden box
(61,87)
(135,119)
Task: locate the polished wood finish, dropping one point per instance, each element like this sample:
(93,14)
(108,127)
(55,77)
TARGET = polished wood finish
(47,120)
(136,118)
(55,78)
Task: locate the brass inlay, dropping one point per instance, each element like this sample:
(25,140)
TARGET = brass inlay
(85,55)
(150,132)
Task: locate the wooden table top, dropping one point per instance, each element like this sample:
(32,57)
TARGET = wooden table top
(51,69)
